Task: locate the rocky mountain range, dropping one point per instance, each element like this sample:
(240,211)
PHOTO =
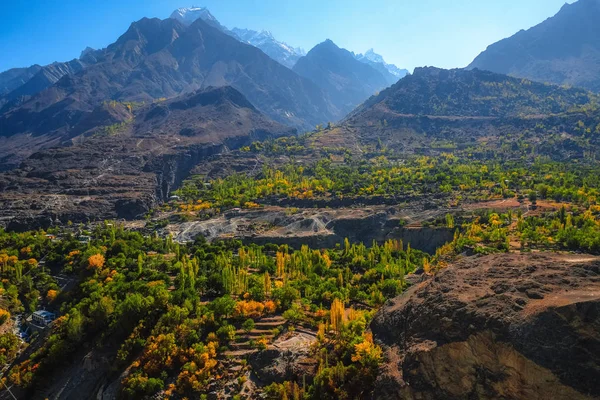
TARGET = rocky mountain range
(158,59)
(348,81)
(564,49)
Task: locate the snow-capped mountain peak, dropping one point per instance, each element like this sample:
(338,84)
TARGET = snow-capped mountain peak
(264,40)
(377,61)
(187,15)
(371,55)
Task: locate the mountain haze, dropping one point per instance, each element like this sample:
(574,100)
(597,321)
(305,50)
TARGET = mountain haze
(348,81)
(391,72)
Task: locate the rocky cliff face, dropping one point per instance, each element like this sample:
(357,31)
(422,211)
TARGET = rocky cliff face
(518,326)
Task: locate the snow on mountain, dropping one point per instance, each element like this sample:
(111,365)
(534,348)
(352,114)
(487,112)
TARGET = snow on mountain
(264,40)
(376,60)
(190,14)
(187,15)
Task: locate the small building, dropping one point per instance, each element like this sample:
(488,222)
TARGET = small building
(42,318)
(84,239)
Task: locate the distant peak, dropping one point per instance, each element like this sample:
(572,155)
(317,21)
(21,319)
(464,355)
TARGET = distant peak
(327,43)
(86,51)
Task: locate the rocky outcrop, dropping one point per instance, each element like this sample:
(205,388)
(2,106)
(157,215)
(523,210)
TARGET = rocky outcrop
(319,227)
(511,326)
(288,359)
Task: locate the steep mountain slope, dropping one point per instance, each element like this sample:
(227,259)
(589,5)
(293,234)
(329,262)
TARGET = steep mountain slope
(391,72)
(15,77)
(127,169)
(564,49)
(156,59)
(335,70)
(264,40)
(44,78)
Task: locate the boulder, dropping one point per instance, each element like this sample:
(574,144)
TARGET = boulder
(288,359)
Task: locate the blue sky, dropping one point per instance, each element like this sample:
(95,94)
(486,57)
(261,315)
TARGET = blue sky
(408,33)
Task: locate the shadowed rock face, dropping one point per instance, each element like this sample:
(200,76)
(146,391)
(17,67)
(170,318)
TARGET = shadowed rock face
(500,326)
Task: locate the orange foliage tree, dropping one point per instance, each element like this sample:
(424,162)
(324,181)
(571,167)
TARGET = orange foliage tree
(51,295)
(249,309)
(96,261)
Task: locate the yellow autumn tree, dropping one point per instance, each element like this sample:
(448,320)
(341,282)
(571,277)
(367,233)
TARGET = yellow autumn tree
(337,314)
(280,257)
(270,307)
(267,284)
(367,353)
(426,266)
(4,316)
